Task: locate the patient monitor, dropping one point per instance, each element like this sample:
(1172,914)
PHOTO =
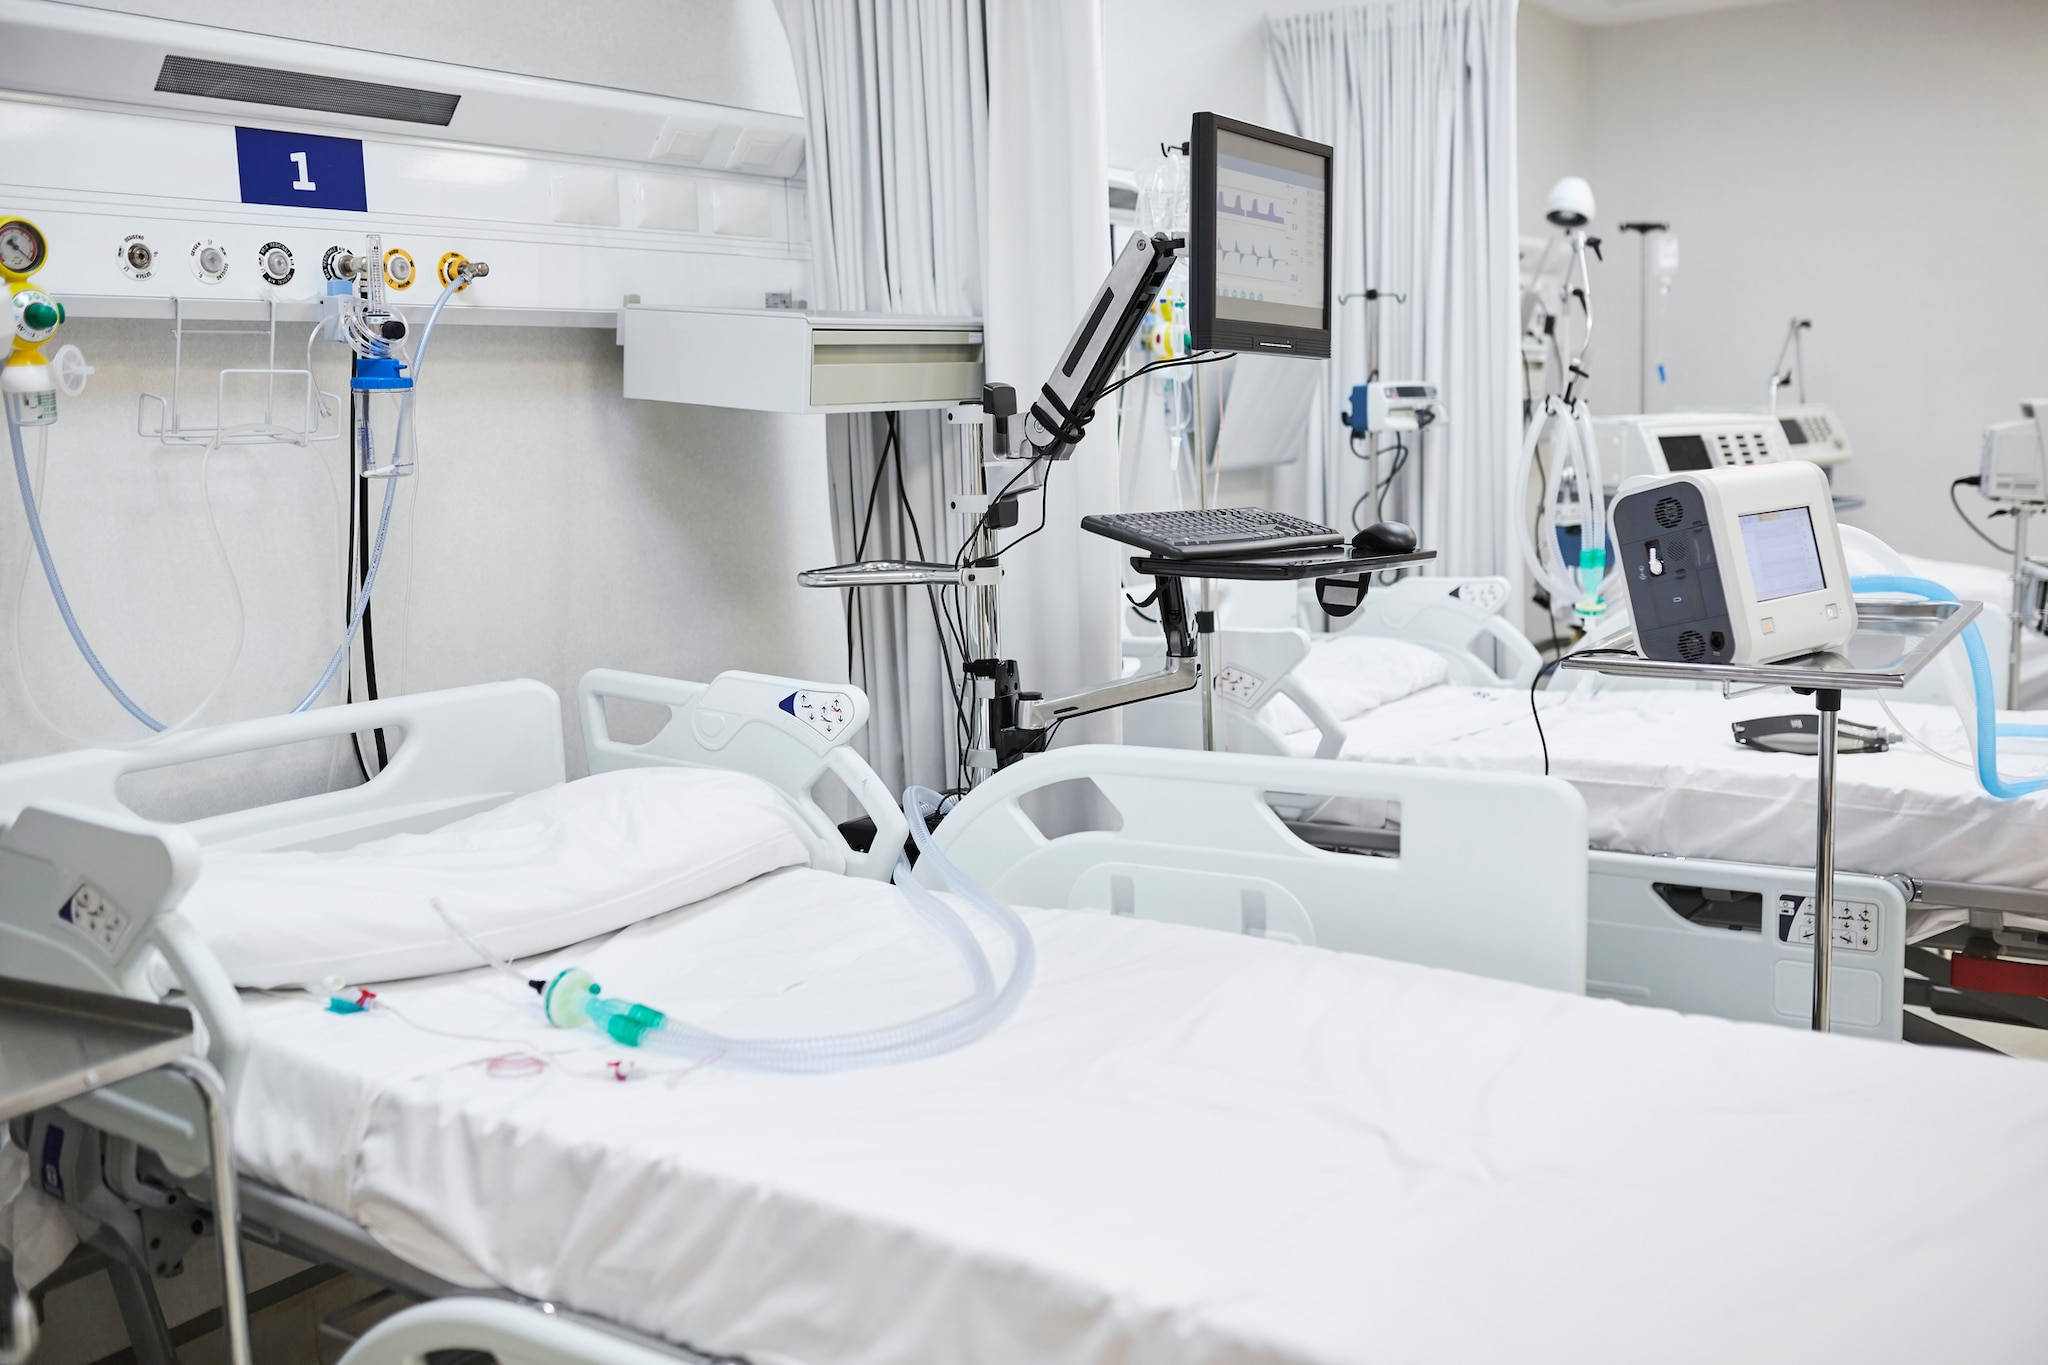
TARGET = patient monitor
(1735,565)
(2014,468)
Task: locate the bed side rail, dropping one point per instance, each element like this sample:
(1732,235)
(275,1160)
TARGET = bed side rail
(511,1332)
(1490,876)
(788,732)
(464,750)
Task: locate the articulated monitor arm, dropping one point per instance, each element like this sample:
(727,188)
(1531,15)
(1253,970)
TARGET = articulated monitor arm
(1066,401)
(1024,720)
(1018,722)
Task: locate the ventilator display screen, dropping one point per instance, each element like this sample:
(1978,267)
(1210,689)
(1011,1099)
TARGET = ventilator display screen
(1784,557)
(1685,452)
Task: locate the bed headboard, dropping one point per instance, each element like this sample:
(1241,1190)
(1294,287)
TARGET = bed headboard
(787,732)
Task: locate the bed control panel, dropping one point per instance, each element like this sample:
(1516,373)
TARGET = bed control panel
(97,918)
(828,713)
(1239,684)
(1855,925)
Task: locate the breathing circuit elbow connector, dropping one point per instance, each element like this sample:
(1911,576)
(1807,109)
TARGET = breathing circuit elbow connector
(573,998)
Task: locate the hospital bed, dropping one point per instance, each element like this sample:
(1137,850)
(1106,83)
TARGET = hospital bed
(1186,1146)
(1197,844)
(1701,874)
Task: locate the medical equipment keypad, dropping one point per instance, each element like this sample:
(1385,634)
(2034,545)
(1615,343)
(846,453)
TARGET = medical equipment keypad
(1855,925)
(826,712)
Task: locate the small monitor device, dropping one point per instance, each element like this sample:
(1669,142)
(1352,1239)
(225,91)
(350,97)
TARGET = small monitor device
(1741,565)
(1258,239)
(2015,464)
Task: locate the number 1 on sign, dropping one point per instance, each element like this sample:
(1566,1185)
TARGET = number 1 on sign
(305,180)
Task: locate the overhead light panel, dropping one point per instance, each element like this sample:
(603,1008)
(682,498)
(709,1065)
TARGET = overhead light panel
(304,90)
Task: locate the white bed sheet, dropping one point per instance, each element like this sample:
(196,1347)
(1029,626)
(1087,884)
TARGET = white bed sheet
(1186,1147)
(1662,773)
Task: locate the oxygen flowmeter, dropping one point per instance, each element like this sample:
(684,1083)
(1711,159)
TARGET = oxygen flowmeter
(30,379)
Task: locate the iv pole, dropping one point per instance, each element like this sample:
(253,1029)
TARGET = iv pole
(1643,231)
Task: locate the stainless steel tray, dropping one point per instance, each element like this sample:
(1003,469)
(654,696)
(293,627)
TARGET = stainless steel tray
(1892,643)
(57,1043)
(881,573)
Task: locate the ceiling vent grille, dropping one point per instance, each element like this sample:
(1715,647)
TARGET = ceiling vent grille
(302,90)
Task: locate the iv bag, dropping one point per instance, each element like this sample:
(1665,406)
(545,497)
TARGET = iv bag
(1163,198)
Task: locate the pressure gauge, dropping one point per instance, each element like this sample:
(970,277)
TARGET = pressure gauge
(22,248)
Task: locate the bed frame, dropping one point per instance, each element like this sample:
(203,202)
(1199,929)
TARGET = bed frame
(1704,936)
(1200,843)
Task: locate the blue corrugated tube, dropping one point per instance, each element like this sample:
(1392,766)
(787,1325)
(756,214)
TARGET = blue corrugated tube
(1989,730)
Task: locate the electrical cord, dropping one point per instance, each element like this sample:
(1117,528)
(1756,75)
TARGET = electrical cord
(1953,501)
(1545,671)
(1199,358)
(856,612)
(1044,496)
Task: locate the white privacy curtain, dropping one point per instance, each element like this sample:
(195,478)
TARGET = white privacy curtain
(1418,99)
(896,107)
(1048,251)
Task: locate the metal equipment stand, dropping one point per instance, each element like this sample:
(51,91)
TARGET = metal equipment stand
(2021,584)
(57,1044)
(1893,642)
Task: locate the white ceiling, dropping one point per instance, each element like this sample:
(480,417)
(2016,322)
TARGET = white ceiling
(1633,11)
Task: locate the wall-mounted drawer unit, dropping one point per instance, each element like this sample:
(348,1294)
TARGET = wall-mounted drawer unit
(783,360)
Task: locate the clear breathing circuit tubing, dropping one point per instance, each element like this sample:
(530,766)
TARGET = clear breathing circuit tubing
(362,601)
(927,1036)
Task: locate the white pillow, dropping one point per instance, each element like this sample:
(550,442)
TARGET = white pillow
(1284,717)
(1352,674)
(538,873)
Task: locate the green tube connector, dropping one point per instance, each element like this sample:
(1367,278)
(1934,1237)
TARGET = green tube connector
(574,998)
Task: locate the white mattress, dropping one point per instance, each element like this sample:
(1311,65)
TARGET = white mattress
(1186,1147)
(1662,773)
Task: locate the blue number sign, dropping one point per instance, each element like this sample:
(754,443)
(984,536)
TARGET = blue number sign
(301,169)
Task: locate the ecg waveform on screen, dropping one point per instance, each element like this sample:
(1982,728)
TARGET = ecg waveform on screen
(1270,214)
(1263,223)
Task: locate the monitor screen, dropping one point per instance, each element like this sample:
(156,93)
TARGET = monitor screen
(1784,558)
(1259,251)
(1685,453)
(1795,430)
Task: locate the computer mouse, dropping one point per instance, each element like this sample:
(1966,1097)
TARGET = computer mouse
(1384,538)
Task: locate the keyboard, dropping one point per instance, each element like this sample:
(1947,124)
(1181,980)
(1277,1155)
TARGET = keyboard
(1212,532)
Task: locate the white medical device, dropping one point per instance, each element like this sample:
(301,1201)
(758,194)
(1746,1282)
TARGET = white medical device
(1392,406)
(1814,432)
(1683,442)
(2014,466)
(1734,566)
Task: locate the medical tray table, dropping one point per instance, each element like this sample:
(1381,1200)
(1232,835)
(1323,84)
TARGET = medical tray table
(1892,643)
(57,1044)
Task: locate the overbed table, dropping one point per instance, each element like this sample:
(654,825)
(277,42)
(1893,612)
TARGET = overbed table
(1893,642)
